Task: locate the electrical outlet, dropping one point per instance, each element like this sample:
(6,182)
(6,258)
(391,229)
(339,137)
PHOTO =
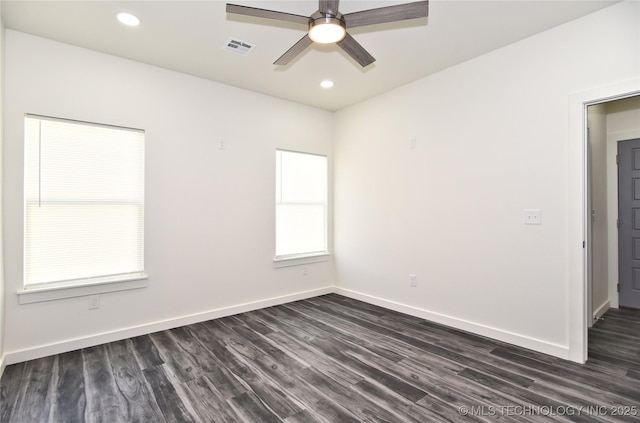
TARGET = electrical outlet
(413,143)
(412,281)
(222,145)
(94,302)
(532,217)
(305,271)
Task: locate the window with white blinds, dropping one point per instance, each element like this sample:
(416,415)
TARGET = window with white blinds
(301,204)
(84,202)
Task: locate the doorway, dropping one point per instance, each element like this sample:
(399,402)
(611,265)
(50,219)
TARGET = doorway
(608,123)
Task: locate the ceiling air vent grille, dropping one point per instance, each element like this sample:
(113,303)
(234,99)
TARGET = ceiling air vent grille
(239,47)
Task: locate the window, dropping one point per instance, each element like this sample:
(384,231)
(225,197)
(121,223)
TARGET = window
(301,204)
(84,203)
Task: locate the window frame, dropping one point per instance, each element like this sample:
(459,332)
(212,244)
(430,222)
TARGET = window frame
(45,291)
(306,257)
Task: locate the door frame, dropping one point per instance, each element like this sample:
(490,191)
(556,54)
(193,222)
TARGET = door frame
(578,212)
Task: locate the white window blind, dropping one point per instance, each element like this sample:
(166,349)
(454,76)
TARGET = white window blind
(84,202)
(301,204)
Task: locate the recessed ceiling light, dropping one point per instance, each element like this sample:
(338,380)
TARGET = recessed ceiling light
(326,84)
(128,19)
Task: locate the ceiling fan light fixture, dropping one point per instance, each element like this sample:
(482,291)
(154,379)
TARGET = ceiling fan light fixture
(326,30)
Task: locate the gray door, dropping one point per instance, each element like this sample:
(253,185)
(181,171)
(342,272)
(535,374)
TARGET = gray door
(629,226)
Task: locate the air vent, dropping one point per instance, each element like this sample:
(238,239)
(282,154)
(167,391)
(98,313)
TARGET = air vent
(238,47)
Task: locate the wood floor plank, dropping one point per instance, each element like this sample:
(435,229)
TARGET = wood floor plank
(310,354)
(249,407)
(414,339)
(328,410)
(146,352)
(265,345)
(287,374)
(214,336)
(564,380)
(255,325)
(306,416)
(34,400)
(365,338)
(210,366)
(222,378)
(357,407)
(181,365)
(70,400)
(171,404)
(11,384)
(103,399)
(520,393)
(370,340)
(271,390)
(278,368)
(296,342)
(436,381)
(208,403)
(408,325)
(402,408)
(337,351)
(141,406)
(448,392)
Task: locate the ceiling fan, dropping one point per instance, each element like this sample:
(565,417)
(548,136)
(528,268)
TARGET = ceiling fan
(328,25)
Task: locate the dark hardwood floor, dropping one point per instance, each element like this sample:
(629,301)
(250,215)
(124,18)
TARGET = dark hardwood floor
(328,359)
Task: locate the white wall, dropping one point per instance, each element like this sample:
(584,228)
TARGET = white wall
(597,121)
(492,140)
(623,117)
(209,212)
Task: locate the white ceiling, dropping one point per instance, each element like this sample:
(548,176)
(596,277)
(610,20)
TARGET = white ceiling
(188,36)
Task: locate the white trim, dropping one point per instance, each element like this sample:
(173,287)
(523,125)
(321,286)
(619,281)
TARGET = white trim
(601,310)
(300,259)
(3,364)
(556,350)
(49,293)
(116,335)
(577,213)
(612,226)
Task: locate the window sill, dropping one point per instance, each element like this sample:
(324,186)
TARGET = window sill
(50,293)
(300,259)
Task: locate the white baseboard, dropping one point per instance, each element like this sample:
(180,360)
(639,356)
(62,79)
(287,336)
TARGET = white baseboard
(601,310)
(494,333)
(89,341)
(3,364)
(93,340)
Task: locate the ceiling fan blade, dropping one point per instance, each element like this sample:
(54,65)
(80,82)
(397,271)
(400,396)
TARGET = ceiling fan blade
(329,6)
(356,51)
(267,14)
(399,12)
(294,51)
